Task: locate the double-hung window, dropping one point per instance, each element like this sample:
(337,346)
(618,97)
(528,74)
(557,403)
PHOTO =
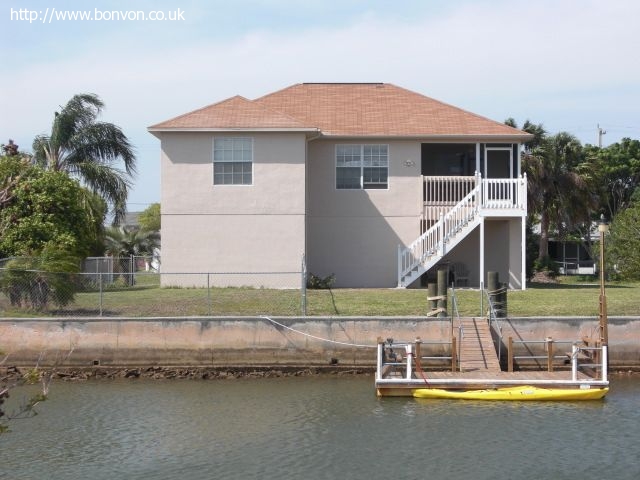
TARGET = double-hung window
(232,161)
(362,166)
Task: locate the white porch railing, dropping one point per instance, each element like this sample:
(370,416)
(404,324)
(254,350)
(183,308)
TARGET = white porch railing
(439,191)
(488,197)
(504,194)
(440,194)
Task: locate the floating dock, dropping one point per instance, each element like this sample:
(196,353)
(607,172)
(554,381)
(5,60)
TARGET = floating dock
(474,363)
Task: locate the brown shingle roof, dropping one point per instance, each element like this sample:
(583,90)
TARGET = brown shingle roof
(234,113)
(345,109)
(378,109)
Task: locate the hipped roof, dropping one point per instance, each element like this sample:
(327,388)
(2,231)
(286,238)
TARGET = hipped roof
(344,109)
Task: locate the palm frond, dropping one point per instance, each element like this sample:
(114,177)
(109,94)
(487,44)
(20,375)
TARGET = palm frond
(80,111)
(89,150)
(42,151)
(110,183)
(103,143)
(123,241)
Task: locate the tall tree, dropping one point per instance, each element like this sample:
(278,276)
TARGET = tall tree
(90,150)
(624,245)
(557,193)
(12,163)
(45,209)
(150,218)
(535,129)
(614,174)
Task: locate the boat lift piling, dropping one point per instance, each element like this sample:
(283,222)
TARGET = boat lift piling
(437,294)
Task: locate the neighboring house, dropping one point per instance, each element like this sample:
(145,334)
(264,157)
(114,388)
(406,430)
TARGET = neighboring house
(572,257)
(131,221)
(372,182)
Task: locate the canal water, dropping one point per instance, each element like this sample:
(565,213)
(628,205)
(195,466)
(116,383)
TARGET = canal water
(315,428)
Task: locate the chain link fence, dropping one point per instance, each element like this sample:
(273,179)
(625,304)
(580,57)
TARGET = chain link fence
(133,287)
(110,269)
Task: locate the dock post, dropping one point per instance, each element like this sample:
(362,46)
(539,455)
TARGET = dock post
(574,362)
(605,362)
(379,359)
(432,291)
(442,292)
(408,348)
(549,354)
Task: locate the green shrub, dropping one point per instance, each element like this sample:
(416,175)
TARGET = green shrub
(318,283)
(546,265)
(33,282)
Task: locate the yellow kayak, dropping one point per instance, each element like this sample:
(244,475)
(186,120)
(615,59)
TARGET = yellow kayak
(515,393)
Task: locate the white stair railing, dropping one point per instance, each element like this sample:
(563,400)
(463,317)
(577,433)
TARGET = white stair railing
(489,194)
(432,243)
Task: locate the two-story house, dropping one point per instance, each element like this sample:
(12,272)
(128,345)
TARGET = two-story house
(369,181)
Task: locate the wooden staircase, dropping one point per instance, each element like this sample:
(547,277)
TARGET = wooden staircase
(477,351)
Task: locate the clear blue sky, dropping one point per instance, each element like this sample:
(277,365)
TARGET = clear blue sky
(569,64)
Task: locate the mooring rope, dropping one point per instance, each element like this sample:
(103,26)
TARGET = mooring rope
(317,338)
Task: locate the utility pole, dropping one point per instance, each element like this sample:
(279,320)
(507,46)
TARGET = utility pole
(601,132)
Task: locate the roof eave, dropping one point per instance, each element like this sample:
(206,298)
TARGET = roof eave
(494,138)
(155,130)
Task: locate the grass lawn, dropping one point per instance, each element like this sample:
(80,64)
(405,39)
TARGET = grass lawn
(147,298)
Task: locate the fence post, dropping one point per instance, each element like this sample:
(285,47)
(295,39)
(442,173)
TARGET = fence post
(303,286)
(100,288)
(209,307)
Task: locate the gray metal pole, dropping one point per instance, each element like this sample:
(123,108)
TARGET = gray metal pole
(209,306)
(303,286)
(100,288)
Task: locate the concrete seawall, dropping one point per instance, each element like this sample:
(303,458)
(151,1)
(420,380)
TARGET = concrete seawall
(259,341)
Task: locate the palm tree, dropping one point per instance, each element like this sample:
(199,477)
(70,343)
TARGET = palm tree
(557,193)
(124,242)
(88,149)
(537,130)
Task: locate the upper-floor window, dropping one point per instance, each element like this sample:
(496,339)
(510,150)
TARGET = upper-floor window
(362,166)
(232,161)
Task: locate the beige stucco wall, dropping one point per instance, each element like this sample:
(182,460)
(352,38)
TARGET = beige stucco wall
(233,228)
(516,247)
(355,233)
(503,243)
(293,207)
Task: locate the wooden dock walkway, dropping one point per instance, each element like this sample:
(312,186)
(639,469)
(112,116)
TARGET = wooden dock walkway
(477,351)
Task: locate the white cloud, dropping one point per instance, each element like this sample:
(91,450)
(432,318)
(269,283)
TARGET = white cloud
(535,59)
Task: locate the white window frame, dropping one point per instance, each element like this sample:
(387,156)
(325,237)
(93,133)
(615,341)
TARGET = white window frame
(498,149)
(233,159)
(361,165)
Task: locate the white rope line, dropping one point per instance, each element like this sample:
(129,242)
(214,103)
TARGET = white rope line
(317,338)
